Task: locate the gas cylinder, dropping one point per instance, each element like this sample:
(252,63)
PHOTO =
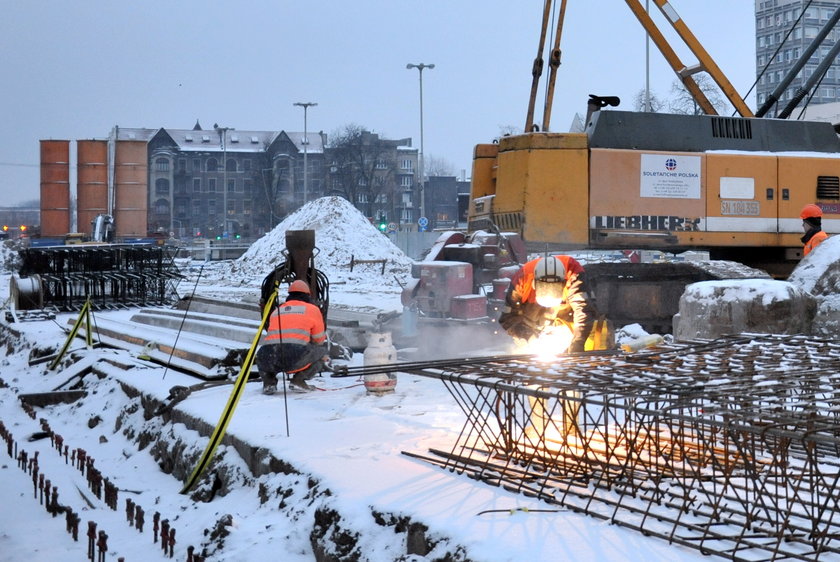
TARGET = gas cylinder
(380,351)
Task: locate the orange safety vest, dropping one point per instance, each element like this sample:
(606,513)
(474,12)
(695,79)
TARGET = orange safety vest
(815,241)
(296,322)
(523,281)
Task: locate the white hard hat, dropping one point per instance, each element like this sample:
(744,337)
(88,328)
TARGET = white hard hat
(550,269)
(549,281)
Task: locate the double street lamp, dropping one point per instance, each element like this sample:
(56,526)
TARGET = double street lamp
(305,106)
(420,67)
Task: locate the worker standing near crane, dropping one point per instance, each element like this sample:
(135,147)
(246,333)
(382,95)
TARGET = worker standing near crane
(811,216)
(296,342)
(547,291)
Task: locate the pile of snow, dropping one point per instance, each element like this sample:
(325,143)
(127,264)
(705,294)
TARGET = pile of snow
(819,274)
(342,234)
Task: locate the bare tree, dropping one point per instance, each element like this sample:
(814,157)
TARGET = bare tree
(437,166)
(683,102)
(639,102)
(362,169)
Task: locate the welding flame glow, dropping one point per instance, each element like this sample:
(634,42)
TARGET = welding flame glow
(552,342)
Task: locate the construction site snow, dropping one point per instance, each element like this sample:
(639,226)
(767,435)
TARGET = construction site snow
(344,240)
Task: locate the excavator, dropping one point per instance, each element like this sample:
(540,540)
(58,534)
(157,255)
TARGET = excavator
(731,186)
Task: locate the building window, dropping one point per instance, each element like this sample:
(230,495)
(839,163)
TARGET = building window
(249,186)
(182,164)
(162,164)
(231,207)
(211,207)
(246,164)
(406,164)
(162,186)
(231,186)
(381,164)
(162,207)
(247,205)
(230,165)
(211,185)
(196,165)
(196,208)
(406,199)
(196,185)
(212,165)
(362,198)
(405,181)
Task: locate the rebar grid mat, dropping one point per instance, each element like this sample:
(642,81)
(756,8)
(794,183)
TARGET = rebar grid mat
(730,446)
(112,275)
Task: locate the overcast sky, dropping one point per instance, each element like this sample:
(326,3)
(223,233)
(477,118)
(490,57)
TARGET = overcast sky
(73,70)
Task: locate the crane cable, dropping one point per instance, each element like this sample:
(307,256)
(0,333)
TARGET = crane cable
(776,52)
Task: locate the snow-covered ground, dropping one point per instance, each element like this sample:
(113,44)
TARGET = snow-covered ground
(349,442)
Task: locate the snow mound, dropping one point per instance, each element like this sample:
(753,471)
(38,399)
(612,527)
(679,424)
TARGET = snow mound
(342,234)
(819,272)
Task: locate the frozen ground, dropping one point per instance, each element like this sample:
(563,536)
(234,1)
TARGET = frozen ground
(348,441)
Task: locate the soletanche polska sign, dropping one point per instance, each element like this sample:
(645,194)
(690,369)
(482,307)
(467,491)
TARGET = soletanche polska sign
(670,176)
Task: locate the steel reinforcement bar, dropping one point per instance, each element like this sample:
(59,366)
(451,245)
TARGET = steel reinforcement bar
(111,275)
(731,446)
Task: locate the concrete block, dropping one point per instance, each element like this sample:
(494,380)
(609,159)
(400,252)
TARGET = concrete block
(710,309)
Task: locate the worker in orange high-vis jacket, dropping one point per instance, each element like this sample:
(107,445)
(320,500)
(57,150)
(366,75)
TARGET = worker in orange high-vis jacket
(296,342)
(811,216)
(546,290)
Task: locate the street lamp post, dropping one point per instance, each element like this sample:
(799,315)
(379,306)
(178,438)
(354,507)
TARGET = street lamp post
(420,67)
(223,140)
(305,106)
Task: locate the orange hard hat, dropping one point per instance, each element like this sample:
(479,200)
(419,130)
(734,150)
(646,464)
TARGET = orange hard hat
(810,211)
(299,287)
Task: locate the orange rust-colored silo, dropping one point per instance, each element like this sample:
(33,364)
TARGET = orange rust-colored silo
(55,187)
(131,178)
(91,181)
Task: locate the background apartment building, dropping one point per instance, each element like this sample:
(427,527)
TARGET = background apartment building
(220,182)
(784,29)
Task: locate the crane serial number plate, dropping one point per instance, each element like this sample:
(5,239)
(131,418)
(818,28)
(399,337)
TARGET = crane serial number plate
(743,208)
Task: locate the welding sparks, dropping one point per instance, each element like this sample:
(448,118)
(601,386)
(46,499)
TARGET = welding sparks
(553,341)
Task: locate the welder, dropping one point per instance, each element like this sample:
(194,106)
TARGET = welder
(546,292)
(296,342)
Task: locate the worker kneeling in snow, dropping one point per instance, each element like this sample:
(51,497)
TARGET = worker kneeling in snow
(547,291)
(295,342)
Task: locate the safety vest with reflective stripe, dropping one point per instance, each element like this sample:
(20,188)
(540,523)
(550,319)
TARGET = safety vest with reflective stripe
(814,241)
(296,322)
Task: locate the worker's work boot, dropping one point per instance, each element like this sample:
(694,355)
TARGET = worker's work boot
(269,381)
(298,382)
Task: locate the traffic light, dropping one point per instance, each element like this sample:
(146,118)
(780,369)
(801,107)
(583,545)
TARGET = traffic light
(5,228)
(383,226)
